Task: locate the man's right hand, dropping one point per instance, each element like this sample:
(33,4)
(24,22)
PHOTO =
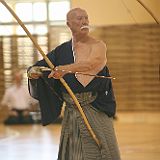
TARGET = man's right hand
(34,72)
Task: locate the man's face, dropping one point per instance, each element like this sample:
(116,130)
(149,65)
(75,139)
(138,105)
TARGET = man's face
(78,21)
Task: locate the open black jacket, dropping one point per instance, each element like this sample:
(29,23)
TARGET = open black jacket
(48,91)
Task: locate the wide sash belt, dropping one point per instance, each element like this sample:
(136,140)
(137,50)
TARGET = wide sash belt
(84,98)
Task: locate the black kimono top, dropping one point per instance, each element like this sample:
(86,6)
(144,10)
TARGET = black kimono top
(48,91)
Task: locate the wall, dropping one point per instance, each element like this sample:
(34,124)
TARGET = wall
(113,12)
(134,60)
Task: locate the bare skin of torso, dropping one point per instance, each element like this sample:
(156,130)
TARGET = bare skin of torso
(84,52)
(90,57)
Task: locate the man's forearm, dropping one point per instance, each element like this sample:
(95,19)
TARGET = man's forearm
(77,67)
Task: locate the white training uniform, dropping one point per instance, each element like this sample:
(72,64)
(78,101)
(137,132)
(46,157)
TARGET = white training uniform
(17,97)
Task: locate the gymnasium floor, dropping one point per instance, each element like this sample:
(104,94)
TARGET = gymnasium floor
(138,136)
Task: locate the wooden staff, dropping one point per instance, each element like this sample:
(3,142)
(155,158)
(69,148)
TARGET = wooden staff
(52,67)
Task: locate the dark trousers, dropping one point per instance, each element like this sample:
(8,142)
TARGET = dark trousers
(19,119)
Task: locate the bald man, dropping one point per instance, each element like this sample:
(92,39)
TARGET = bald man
(86,55)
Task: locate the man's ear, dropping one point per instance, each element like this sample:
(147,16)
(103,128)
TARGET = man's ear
(68,24)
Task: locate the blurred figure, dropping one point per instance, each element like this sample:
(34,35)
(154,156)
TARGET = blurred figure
(18,100)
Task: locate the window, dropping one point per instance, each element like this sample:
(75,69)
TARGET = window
(17,48)
(24,11)
(58,10)
(20,31)
(34,16)
(5,15)
(40,29)
(6,30)
(39,11)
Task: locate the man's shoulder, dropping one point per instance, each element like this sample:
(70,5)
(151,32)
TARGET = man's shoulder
(61,47)
(96,41)
(64,44)
(98,44)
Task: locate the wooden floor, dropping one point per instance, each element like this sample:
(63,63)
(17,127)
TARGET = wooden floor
(138,136)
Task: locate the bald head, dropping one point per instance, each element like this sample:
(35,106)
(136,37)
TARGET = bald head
(72,13)
(77,21)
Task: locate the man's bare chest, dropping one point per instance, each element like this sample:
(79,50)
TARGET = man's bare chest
(82,52)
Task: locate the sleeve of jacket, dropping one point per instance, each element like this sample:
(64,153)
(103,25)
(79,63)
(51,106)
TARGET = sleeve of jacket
(105,100)
(50,103)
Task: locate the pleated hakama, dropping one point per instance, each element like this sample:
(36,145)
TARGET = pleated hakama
(76,142)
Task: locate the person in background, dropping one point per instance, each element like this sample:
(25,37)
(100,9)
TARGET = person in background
(87,55)
(18,101)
